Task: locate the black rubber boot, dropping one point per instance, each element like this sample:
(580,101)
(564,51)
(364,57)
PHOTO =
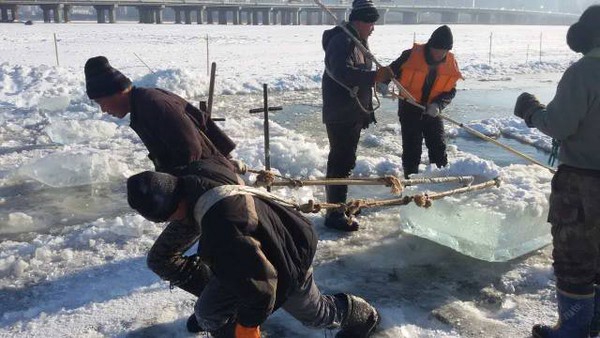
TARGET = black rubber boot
(336,219)
(339,221)
(192,325)
(361,318)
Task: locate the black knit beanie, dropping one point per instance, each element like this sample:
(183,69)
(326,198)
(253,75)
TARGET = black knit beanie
(101,79)
(154,195)
(441,38)
(581,35)
(363,10)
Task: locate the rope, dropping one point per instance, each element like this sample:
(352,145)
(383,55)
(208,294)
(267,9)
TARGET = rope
(354,93)
(422,200)
(267,179)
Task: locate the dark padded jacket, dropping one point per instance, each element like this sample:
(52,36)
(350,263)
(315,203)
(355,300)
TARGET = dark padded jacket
(349,66)
(169,128)
(259,250)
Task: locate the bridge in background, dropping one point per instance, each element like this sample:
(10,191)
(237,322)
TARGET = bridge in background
(269,12)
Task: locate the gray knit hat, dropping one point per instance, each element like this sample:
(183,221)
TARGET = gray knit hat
(154,195)
(364,10)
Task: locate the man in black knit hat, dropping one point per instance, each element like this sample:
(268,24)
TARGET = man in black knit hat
(260,253)
(175,134)
(347,108)
(429,72)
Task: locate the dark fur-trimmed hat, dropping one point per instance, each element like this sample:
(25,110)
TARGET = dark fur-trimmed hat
(583,35)
(101,79)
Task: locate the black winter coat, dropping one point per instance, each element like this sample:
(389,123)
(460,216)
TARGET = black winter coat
(350,67)
(169,128)
(259,250)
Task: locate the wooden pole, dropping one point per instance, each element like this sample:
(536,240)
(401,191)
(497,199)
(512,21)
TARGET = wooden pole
(211,88)
(56,50)
(207,55)
(541,46)
(266,130)
(490,53)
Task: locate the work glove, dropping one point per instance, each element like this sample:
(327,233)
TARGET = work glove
(239,166)
(383,74)
(526,106)
(382,88)
(432,109)
(246,332)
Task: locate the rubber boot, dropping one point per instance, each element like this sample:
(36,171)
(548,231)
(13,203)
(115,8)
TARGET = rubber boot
(192,324)
(409,171)
(595,326)
(361,319)
(574,317)
(336,219)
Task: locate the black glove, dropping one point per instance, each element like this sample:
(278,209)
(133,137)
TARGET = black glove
(368,119)
(526,106)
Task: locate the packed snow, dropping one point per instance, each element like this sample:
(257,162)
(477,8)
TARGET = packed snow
(72,254)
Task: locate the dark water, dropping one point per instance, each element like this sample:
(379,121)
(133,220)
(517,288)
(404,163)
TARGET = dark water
(468,105)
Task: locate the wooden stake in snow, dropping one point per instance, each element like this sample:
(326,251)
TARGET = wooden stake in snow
(56,50)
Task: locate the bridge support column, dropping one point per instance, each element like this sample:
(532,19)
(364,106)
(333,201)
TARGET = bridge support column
(9,13)
(483,18)
(67,13)
(410,18)
(157,14)
(235,16)
(266,17)
(200,15)
(209,16)
(449,17)
(177,15)
(188,16)
(382,16)
(222,16)
(112,14)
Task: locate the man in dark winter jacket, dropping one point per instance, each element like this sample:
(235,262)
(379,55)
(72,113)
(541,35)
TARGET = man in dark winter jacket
(429,72)
(259,251)
(176,134)
(347,108)
(573,118)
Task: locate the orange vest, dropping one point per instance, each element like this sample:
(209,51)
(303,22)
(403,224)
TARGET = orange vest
(415,70)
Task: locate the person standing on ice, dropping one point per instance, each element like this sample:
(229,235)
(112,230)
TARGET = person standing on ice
(429,72)
(260,253)
(573,118)
(347,108)
(175,134)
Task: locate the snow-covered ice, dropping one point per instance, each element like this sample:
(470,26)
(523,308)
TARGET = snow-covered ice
(72,254)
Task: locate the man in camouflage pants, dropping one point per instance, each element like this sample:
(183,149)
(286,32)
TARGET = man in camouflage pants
(573,118)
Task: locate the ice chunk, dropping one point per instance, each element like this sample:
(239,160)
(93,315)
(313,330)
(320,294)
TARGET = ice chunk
(73,131)
(73,169)
(498,224)
(53,104)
